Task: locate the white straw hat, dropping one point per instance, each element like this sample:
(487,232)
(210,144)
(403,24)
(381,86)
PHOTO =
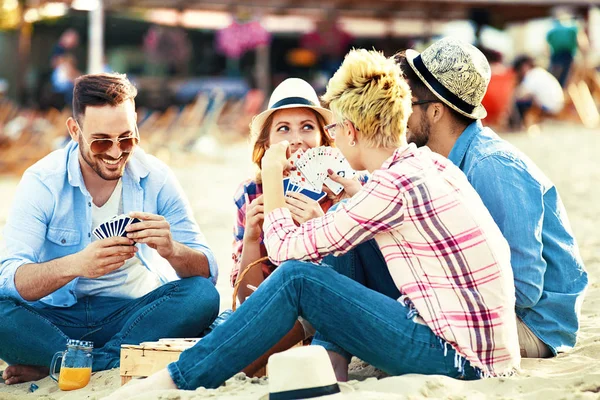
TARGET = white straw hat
(456,72)
(291,93)
(302,373)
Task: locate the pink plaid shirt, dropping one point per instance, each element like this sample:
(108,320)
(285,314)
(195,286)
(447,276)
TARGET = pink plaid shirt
(443,249)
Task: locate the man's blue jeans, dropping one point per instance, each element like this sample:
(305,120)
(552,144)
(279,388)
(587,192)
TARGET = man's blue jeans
(363,322)
(32,334)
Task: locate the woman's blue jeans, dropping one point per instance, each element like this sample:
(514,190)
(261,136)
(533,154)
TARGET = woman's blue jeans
(370,325)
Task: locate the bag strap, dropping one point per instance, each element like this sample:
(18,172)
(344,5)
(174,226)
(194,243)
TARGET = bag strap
(240,279)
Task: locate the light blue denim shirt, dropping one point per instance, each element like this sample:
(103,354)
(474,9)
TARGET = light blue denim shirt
(550,278)
(52,217)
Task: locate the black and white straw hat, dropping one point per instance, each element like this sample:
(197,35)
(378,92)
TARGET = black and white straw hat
(456,72)
(291,93)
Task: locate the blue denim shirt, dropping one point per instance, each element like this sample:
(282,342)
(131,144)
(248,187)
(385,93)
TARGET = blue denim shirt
(550,278)
(52,217)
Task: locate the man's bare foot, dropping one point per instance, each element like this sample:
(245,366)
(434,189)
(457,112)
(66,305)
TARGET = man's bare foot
(158,381)
(24,373)
(340,366)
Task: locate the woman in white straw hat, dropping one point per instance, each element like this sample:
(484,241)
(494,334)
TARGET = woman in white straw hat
(454,315)
(448,81)
(294,114)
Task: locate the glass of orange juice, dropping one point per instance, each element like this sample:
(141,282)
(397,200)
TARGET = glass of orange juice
(76,365)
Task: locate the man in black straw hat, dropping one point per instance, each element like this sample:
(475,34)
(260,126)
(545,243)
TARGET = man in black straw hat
(448,81)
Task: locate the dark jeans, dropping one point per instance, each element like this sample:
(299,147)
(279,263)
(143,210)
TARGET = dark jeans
(32,334)
(560,66)
(359,320)
(523,106)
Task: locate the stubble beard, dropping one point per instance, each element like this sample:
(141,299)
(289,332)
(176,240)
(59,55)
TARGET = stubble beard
(96,165)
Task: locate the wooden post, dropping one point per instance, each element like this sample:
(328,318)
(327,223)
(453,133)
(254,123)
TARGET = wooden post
(96,39)
(24,50)
(263,68)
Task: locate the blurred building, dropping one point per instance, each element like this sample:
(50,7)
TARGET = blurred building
(189,33)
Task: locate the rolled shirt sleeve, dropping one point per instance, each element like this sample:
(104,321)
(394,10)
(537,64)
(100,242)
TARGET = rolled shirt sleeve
(25,231)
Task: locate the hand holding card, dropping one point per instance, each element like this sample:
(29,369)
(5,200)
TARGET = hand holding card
(103,256)
(313,164)
(351,186)
(152,230)
(302,207)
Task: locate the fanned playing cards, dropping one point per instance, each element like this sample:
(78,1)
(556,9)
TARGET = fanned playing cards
(114,227)
(310,170)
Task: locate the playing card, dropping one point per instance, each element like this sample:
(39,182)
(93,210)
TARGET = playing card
(299,179)
(114,227)
(98,233)
(340,166)
(104,228)
(316,196)
(290,187)
(312,169)
(286,182)
(308,165)
(126,222)
(120,229)
(335,187)
(295,157)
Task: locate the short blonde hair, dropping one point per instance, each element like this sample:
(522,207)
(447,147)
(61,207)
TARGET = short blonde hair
(368,89)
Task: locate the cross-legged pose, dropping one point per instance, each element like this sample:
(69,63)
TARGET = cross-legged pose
(59,282)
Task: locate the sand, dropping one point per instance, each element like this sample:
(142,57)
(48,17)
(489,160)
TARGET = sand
(566,153)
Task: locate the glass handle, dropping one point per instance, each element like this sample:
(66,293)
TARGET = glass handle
(55,358)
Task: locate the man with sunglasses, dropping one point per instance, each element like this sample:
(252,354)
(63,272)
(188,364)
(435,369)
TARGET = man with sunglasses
(59,282)
(448,81)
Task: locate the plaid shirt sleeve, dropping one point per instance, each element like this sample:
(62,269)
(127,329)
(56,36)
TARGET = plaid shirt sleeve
(253,190)
(239,201)
(376,209)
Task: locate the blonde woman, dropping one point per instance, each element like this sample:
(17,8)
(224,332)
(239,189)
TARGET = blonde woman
(446,257)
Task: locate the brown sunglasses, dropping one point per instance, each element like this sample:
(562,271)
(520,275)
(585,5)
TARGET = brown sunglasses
(100,146)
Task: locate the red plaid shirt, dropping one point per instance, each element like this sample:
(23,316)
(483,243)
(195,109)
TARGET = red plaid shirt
(443,249)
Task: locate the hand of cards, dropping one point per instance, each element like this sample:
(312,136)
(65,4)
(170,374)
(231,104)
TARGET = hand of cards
(114,227)
(310,169)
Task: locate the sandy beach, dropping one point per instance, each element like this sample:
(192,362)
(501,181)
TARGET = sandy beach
(566,153)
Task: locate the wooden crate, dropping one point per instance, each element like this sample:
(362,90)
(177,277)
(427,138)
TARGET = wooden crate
(149,357)
(140,361)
